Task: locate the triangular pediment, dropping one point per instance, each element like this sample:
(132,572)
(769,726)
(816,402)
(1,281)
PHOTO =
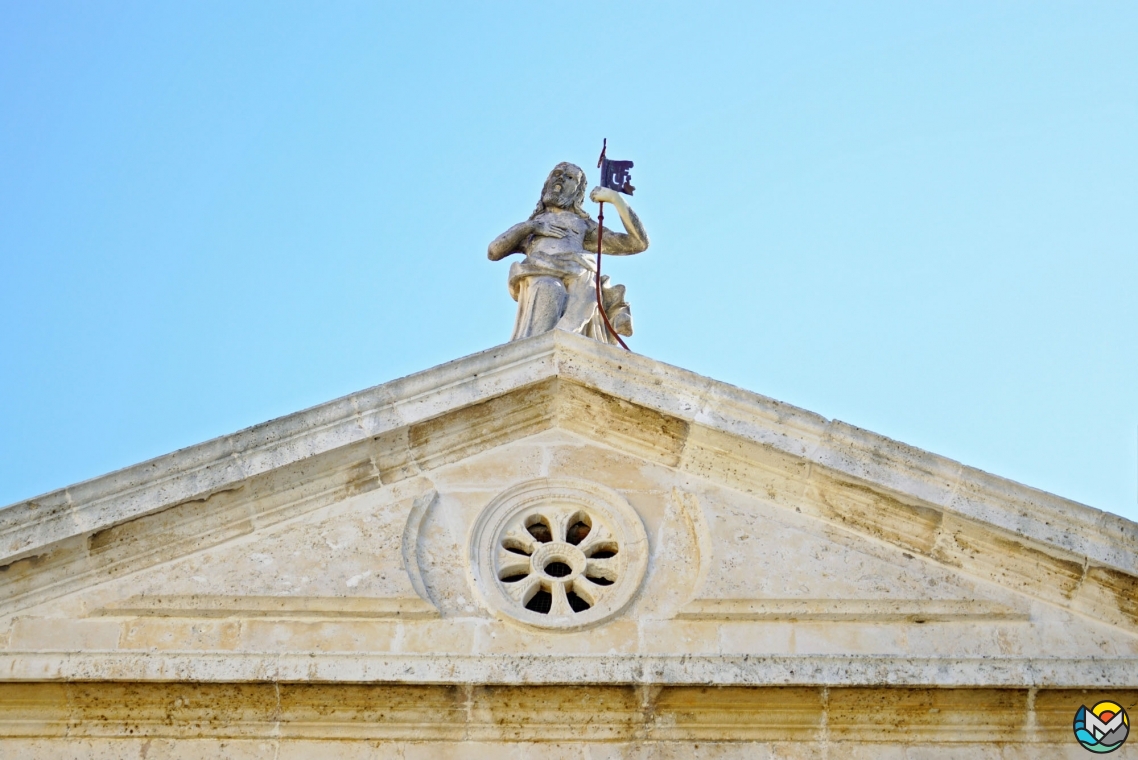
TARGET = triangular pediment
(764,530)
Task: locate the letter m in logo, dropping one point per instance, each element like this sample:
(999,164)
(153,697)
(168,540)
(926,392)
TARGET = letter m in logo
(1099,729)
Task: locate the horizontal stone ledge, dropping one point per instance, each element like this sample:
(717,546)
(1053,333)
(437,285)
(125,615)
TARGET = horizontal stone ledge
(741,670)
(282,607)
(29,528)
(491,721)
(860,610)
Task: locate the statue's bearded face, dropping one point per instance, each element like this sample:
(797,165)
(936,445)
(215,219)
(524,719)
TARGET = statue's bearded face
(563,186)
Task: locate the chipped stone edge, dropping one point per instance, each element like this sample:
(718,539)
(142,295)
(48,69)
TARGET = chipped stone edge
(26,528)
(747,670)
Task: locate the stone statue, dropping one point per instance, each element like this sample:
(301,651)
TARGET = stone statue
(554,284)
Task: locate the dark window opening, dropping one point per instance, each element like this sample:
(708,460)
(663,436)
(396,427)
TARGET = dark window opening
(558,569)
(541,532)
(577,603)
(541,602)
(577,532)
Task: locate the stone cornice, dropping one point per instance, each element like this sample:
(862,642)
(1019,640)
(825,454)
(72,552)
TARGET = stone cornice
(830,446)
(486,669)
(195,472)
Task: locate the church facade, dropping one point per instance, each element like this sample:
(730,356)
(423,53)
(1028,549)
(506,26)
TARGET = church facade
(558,549)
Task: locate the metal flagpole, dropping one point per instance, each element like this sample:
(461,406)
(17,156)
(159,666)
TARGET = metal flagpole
(600,240)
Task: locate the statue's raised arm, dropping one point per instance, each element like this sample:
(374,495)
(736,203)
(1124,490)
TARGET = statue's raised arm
(554,283)
(616,243)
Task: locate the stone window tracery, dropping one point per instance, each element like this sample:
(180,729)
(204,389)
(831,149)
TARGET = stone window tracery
(558,553)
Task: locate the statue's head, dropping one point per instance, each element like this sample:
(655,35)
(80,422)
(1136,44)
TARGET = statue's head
(564,189)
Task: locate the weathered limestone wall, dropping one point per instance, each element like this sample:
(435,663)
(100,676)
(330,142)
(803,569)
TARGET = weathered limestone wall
(387,571)
(115,720)
(644,446)
(355,581)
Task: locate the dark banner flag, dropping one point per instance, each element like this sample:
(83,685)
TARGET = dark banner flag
(616,175)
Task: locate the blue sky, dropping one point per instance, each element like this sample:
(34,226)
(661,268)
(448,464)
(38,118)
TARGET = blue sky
(919,218)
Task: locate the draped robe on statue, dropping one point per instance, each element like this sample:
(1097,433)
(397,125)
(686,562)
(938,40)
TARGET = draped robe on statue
(575,307)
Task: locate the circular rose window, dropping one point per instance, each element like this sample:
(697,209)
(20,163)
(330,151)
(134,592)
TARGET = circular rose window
(558,553)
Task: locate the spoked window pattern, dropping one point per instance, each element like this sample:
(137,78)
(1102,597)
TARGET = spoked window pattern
(558,553)
(558,560)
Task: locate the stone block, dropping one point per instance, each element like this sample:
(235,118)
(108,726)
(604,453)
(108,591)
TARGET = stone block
(675,637)
(757,638)
(629,427)
(611,467)
(59,634)
(498,637)
(495,469)
(695,713)
(848,638)
(921,716)
(180,634)
(440,637)
(554,713)
(148,748)
(380,711)
(317,636)
(172,710)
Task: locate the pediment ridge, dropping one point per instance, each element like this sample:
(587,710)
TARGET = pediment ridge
(875,460)
(837,448)
(196,472)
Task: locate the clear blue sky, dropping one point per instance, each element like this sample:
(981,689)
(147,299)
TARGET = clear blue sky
(919,218)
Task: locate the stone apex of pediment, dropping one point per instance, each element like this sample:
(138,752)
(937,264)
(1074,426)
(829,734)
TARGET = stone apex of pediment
(686,406)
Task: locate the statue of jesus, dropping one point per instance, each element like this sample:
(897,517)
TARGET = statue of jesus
(554,284)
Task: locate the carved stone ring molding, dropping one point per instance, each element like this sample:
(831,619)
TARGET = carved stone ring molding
(558,553)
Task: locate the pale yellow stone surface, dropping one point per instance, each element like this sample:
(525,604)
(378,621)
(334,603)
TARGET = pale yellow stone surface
(460,636)
(306,588)
(63,634)
(181,749)
(318,636)
(618,637)
(298,720)
(706,543)
(166,633)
